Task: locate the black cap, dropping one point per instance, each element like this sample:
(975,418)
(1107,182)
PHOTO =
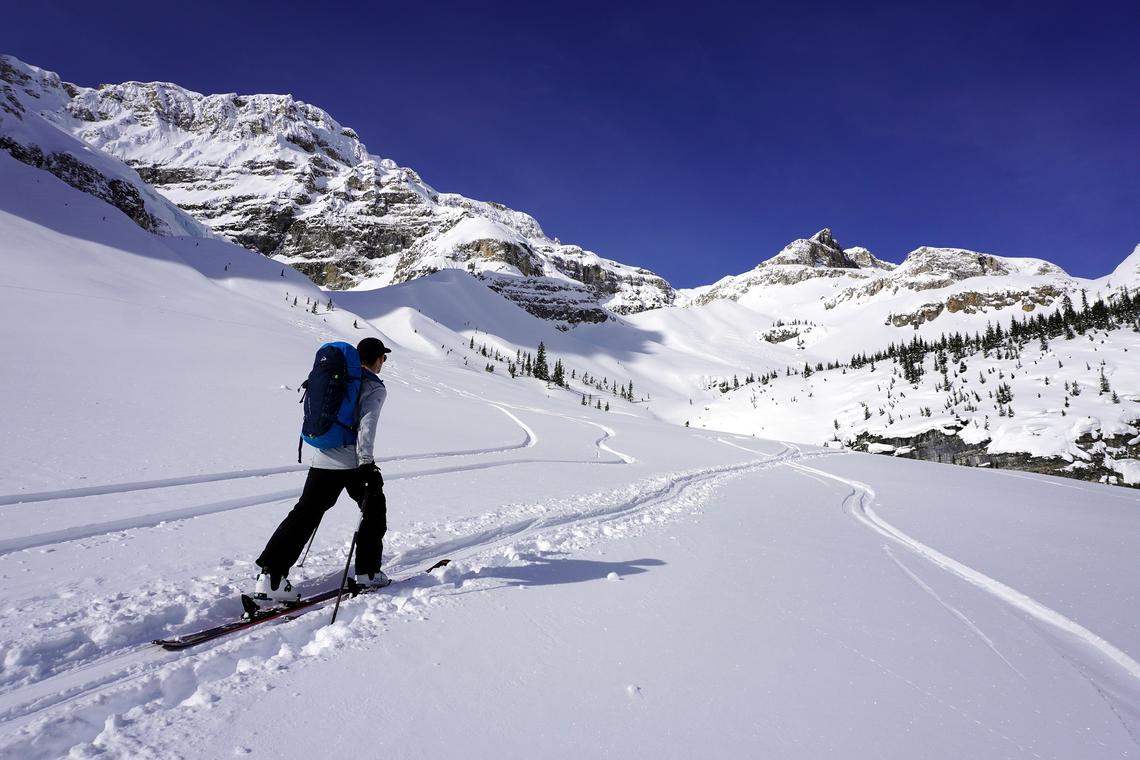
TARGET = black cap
(370,349)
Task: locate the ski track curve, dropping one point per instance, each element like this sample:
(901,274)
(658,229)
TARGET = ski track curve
(503,406)
(95,687)
(1112,672)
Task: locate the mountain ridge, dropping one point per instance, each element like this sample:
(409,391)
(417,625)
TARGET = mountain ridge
(283,177)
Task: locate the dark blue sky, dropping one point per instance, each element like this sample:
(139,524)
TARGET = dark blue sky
(693,139)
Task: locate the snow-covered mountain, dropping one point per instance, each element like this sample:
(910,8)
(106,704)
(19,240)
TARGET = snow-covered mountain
(832,305)
(282,177)
(605,565)
(965,281)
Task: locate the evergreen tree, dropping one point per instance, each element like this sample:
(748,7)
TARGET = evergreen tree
(541,371)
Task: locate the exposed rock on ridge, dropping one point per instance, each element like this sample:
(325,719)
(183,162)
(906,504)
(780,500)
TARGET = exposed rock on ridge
(960,281)
(801,260)
(284,178)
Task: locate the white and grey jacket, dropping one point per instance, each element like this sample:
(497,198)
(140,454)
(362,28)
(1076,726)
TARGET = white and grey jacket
(372,397)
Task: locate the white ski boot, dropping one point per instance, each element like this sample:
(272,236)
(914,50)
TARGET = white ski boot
(373,580)
(276,588)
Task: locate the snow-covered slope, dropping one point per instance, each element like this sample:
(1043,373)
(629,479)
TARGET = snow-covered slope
(284,178)
(771,599)
(1127,273)
(1070,408)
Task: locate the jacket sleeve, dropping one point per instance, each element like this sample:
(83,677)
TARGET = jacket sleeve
(375,394)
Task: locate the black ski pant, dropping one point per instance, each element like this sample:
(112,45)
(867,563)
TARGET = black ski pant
(322,489)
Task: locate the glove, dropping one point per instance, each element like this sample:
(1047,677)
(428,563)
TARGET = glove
(369,473)
(370,478)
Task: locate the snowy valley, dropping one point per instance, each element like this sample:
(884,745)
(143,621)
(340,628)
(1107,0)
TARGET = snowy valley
(285,179)
(672,553)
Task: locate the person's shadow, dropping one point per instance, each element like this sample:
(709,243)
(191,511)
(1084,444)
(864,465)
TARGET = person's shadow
(552,570)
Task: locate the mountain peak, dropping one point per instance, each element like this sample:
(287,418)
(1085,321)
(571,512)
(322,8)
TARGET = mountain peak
(820,250)
(824,237)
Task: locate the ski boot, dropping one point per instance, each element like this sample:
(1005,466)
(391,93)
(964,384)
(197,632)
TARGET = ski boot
(273,587)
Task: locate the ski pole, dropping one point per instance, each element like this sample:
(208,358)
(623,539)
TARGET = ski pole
(344,578)
(310,546)
(351,549)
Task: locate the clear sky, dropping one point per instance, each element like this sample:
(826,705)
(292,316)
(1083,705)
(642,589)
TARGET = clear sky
(695,139)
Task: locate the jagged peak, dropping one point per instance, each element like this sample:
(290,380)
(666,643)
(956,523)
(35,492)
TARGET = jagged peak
(820,250)
(824,237)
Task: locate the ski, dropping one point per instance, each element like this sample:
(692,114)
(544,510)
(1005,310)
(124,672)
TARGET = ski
(254,614)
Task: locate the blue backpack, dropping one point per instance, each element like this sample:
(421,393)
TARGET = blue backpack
(332,398)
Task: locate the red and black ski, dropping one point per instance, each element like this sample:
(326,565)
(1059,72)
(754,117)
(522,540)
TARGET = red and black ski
(254,614)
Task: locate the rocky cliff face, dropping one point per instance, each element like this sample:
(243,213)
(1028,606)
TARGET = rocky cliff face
(967,282)
(26,95)
(284,178)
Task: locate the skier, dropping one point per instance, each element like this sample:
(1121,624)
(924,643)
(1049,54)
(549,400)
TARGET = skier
(350,467)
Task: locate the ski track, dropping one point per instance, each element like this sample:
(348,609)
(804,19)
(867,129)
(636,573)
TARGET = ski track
(218,477)
(154,519)
(957,613)
(502,406)
(1114,674)
(95,691)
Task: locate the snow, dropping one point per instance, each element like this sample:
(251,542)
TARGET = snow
(1129,469)
(620,585)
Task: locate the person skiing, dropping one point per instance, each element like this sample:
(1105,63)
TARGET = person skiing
(350,467)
